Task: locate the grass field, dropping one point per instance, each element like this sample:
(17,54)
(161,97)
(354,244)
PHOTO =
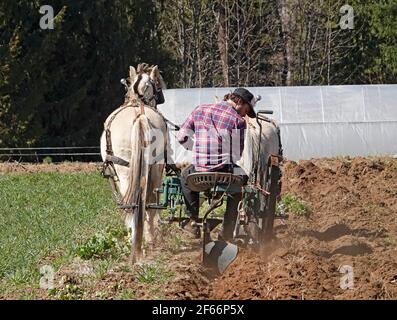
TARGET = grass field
(44,218)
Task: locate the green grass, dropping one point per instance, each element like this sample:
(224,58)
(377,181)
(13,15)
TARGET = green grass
(217,213)
(127,294)
(172,237)
(294,205)
(70,292)
(110,243)
(45,217)
(153,273)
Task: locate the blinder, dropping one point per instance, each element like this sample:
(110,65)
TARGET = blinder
(158,93)
(159,97)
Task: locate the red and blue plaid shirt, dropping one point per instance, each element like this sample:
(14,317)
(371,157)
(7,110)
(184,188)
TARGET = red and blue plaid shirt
(217,131)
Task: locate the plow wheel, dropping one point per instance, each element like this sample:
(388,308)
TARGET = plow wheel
(269,202)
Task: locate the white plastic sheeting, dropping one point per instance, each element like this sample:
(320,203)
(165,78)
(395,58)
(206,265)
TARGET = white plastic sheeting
(316,121)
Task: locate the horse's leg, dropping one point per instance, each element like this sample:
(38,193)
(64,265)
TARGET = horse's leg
(151,226)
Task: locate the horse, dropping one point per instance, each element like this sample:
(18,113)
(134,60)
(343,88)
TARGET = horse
(255,158)
(126,146)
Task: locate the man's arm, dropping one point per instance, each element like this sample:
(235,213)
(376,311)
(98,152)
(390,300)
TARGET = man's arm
(186,133)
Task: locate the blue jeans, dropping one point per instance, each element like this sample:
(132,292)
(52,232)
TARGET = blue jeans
(192,202)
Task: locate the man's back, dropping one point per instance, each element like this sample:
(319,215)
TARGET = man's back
(218,133)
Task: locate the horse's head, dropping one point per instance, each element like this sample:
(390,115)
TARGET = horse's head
(146,83)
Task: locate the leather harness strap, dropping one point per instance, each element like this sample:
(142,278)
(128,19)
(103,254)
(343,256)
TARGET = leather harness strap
(117,160)
(142,108)
(110,157)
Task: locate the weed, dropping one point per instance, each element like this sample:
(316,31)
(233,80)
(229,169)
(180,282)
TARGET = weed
(101,295)
(47,160)
(70,292)
(101,269)
(153,273)
(19,276)
(390,241)
(394,164)
(218,212)
(124,268)
(112,242)
(127,294)
(172,237)
(294,205)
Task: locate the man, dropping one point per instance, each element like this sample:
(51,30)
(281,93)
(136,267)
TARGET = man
(213,131)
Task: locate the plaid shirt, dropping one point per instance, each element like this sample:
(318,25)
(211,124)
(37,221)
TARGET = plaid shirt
(217,131)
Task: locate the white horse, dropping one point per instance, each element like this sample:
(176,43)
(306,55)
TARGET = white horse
(127,137)
(252,157)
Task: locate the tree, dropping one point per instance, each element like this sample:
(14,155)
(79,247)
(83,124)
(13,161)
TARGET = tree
(57,86)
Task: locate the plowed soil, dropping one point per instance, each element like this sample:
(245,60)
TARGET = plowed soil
(353,227)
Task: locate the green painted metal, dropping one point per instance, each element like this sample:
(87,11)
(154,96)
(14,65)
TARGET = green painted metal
(171,194)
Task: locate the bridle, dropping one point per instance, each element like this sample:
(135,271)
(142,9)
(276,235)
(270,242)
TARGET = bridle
(158,96)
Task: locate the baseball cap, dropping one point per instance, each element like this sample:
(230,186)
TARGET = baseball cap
(249,98)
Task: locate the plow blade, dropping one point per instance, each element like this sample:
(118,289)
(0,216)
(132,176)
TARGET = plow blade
(218,255)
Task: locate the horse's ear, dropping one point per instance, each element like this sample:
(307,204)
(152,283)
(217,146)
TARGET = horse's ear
(132,73)
(155,74)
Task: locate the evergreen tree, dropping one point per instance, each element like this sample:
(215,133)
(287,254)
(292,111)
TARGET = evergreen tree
(57,86)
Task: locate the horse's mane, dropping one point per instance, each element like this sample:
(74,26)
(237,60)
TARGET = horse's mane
(144,68)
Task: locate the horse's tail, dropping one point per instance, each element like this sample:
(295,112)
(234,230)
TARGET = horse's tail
(138,181)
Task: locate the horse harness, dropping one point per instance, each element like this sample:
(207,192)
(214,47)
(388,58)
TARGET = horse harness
(158,96)
(108,170)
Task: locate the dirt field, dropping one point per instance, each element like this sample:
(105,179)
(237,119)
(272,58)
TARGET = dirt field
(65,167)
(353,223)
(352,226)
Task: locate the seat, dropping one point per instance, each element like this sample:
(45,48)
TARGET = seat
(203,181)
